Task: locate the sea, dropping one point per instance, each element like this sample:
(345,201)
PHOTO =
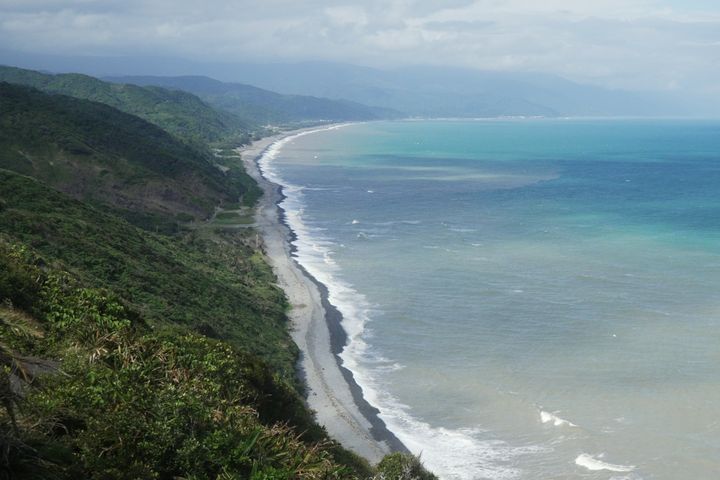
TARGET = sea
(524,298)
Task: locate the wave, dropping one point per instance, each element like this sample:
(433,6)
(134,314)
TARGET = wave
(452,453)
(595,464)
(547,417)
(455,454)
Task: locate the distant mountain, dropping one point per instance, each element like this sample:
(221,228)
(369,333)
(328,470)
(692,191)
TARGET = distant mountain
(257,105)
(182,114)
(453,92)
(99,154)
(415,91)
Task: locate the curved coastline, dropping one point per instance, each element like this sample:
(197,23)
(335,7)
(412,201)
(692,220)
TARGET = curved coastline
(332,391)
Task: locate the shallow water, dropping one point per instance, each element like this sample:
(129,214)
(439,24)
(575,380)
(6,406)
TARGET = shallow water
(526,299)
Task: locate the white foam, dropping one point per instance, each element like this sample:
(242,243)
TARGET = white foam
(452,453)
(547,417)
(595,464)
(355,222)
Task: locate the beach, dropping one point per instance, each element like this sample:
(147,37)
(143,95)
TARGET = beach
(519,296)
(331,390)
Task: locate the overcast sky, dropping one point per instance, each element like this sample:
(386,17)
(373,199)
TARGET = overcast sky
(636,44)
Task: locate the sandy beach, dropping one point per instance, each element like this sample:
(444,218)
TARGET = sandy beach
(332,391)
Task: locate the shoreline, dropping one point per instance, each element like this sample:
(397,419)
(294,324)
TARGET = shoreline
(316,326)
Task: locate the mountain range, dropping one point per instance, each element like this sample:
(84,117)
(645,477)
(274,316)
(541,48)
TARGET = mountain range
(415,91)
(456,92)
(263,106)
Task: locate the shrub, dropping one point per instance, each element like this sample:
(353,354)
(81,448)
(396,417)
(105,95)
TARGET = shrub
(402,466)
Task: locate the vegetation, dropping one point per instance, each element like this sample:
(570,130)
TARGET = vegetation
(124,400)
(214,284)
(99,154)
(155,352)
(263,106)
(402,466)
(180,113)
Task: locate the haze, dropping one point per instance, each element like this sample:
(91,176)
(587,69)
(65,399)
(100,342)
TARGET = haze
(664,46)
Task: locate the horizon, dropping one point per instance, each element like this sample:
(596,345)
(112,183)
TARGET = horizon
(655,46)
(312,78)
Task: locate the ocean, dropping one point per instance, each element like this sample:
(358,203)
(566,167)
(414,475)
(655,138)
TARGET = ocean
(524,299)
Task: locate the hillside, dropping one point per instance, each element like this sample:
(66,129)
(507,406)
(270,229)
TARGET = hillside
(127,353)
(180,113)
(96,153)
(264,106)
(130,318)
(217,285)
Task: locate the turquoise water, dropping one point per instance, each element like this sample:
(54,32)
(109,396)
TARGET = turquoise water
(535,299)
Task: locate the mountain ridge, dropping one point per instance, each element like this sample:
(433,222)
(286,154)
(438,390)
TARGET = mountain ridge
(455,91)
(180,113)
(99,154)
(262,105)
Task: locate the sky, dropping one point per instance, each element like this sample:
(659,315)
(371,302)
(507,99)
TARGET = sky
(654,45)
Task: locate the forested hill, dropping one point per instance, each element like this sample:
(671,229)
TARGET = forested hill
(96,153)
(151,352)
(180,113)
(128,354)
(265,106)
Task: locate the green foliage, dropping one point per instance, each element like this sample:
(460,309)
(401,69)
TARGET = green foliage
(136,403)
(181,114)
(140,396)
(100,154)
(179,405)
(16,283)
(259,106)
(136,354)
(106,137)
(216,283)
(402,466)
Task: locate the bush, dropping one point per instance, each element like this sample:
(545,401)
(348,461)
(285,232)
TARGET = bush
(402,466)
(17,280)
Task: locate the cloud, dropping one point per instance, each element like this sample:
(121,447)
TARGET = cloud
(641,44)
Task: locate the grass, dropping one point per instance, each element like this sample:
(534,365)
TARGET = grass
(233,218)
(139,402)
(211,283)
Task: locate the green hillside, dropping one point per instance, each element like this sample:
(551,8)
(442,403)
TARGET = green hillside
(131,353)
(264,106)
(126,325)
(96,153)
(128,354)
(214,285)
(182,114)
